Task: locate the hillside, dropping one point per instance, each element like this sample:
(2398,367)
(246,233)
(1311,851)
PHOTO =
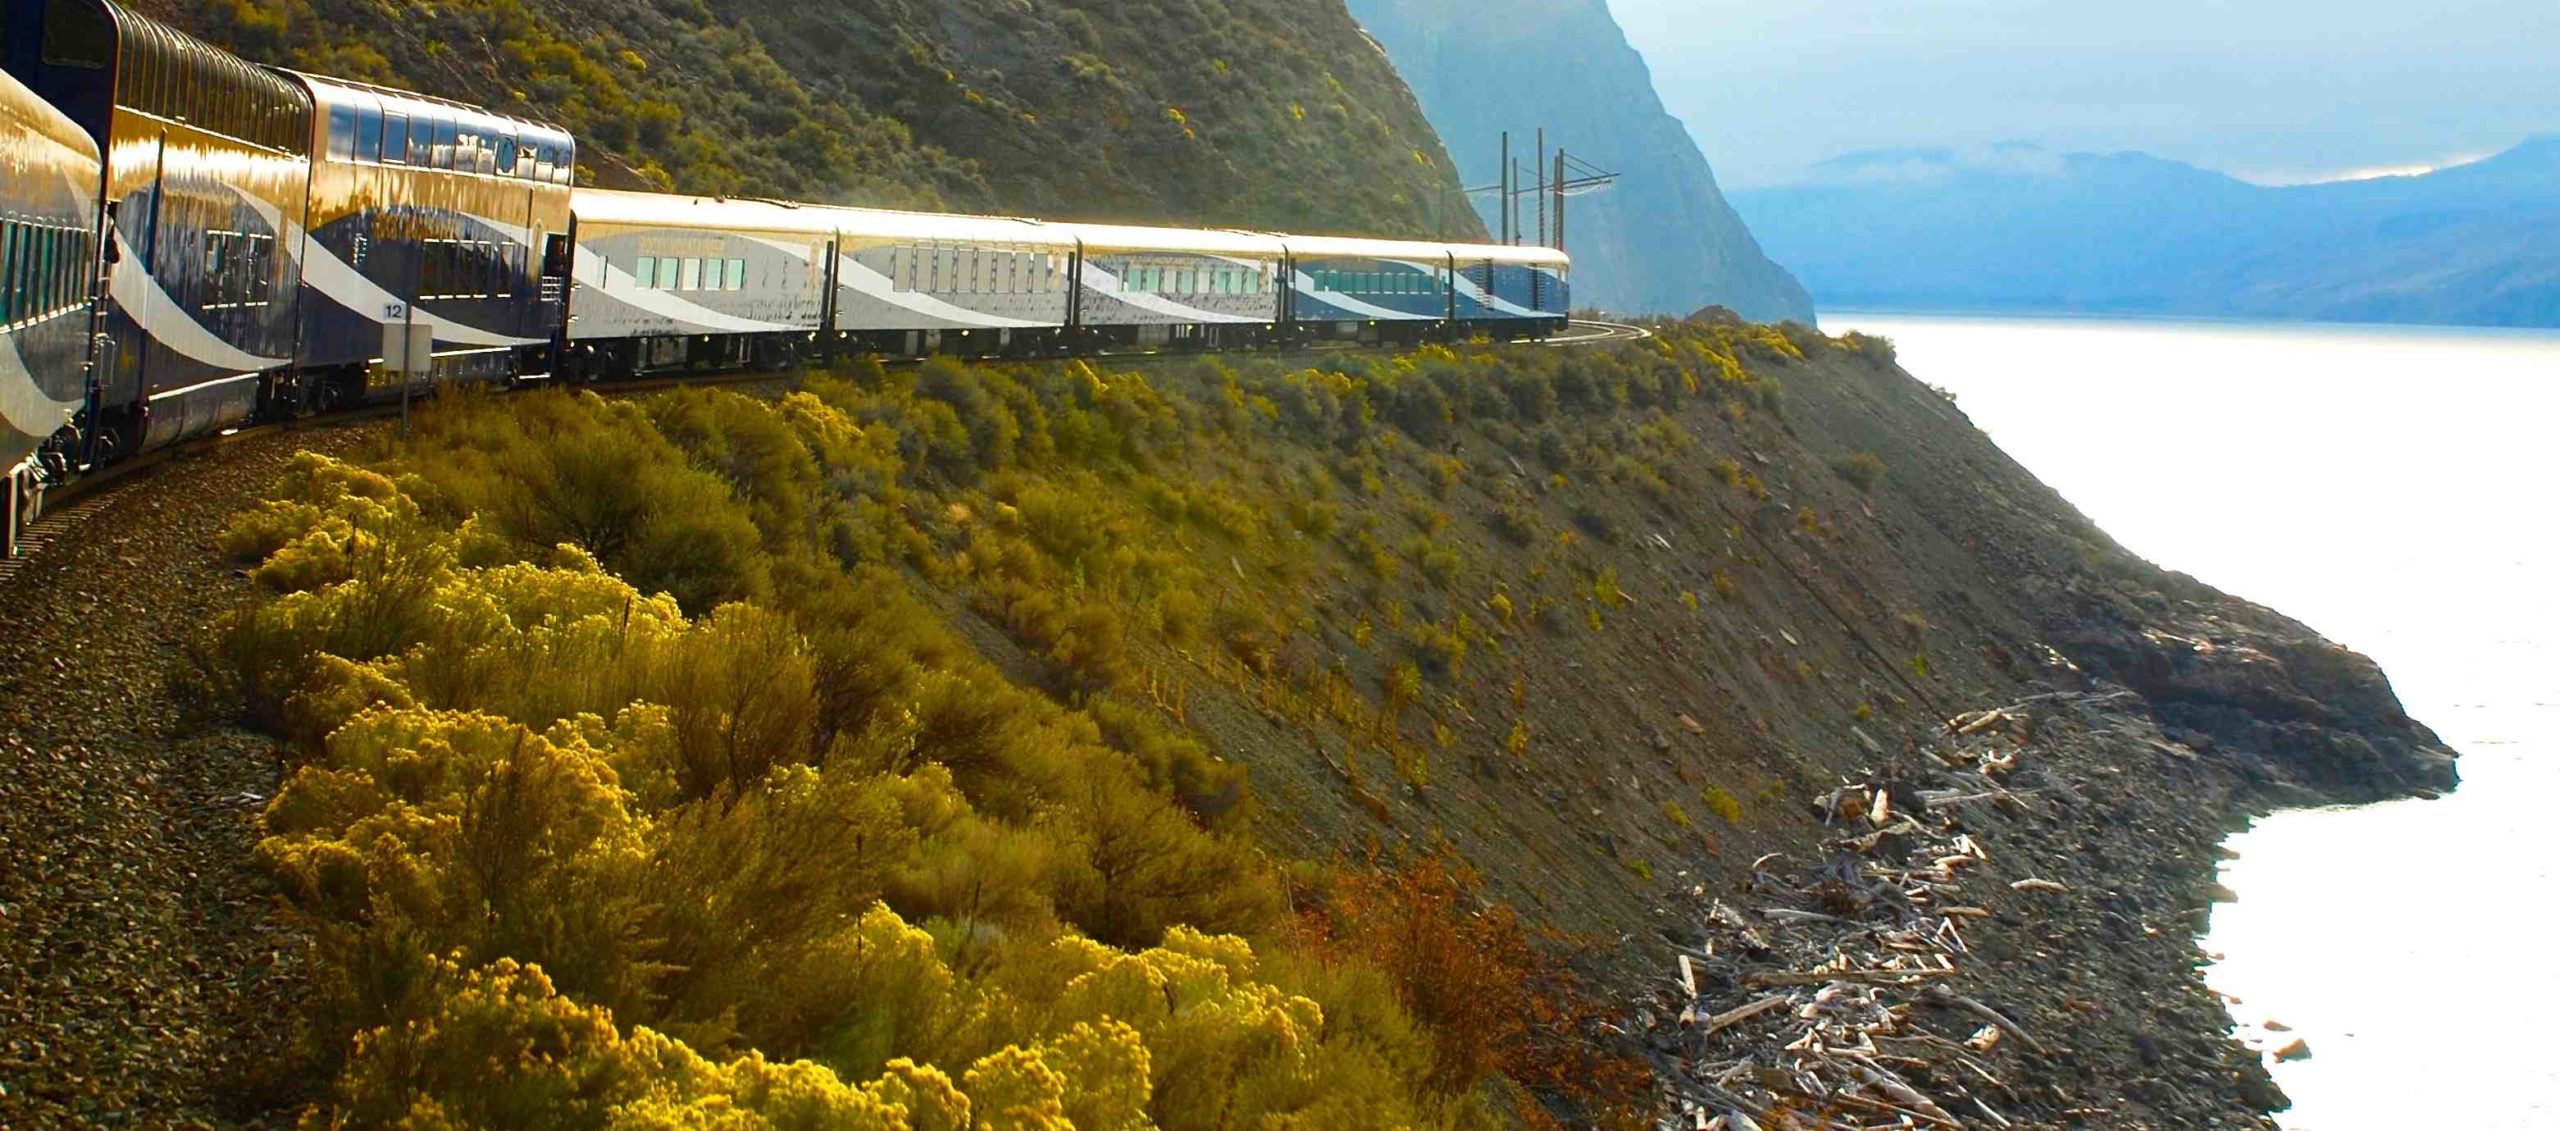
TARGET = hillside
(2021,229)
(1663,240)
(1222,735)
(1251,113)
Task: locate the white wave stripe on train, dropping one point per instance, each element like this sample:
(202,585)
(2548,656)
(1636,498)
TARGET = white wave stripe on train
(343,284)
(867,281)
(1468,288)
(1157,304)
(169,324)
(24,405)
(621,286)
(1307,286)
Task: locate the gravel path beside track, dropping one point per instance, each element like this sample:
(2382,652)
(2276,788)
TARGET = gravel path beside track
(144,978)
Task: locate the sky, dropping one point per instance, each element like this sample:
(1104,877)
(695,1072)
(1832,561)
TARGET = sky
(2275,91)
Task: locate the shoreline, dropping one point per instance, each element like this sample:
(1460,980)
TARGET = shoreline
(2216,711)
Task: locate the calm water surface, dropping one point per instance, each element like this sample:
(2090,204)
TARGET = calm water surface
(2394,489)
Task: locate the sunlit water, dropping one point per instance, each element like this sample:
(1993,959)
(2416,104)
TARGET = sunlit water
(2396,490)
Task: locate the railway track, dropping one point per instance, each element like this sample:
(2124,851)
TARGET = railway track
(65,506)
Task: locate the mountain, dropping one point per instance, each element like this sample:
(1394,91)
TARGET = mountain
(1663,239)
(2018,228)
(1252,113)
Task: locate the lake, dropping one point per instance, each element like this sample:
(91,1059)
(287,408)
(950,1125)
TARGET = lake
(2394,489)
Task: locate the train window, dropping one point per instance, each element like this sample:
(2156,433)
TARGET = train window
(262,269)
(737,275)
(342,133)
(8,272)
(422,141)
(506,160)
(645,272)
(395,138)
(447,134)
(691,279)
(484,155)
(368,134)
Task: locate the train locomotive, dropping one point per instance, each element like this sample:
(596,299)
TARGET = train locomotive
(193,243)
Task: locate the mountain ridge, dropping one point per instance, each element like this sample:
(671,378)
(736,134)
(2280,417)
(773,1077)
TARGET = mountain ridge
(1247,113)
(2023,229)
(1664,239)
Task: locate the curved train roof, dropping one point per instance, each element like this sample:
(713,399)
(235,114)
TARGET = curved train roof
(27,110)
(1526,254)
(932,227)
(613,206)
(1123,238)
(617,207)
(329,91)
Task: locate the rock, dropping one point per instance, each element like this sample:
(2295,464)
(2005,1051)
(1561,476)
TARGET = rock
(2298,1050)
(2274,1026)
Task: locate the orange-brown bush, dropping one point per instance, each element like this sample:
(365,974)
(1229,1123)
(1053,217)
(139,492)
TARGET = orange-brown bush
(1495,1001)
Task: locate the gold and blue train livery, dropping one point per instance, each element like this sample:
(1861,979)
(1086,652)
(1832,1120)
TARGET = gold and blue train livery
(48,270)
(433,211)
(190,242)
(206,170)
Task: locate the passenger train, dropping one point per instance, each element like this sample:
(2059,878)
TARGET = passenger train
(192,243)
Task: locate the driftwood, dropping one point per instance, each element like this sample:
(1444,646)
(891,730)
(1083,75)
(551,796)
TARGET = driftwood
(1805,1009)
(1945,996)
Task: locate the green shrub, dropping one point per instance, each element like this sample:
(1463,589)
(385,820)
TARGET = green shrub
(1862,469)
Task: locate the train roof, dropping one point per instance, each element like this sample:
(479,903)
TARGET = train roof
(1354,247)
(747,214)
(27,109)
(329,91)
(710,213)
(1109,239)
(1527,254)
(941,227)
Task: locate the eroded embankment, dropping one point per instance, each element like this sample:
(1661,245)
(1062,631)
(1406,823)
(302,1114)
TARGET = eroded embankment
(1612,625)
(1996,925)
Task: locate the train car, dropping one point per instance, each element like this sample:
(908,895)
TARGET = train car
(1174,287)
(49,172)
(207,171)
(664,282)
(910,283)
(1502,288)
(1369,290)
(434,211)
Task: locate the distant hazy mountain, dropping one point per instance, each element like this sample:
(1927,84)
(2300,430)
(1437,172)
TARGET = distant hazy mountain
(2021,229)
(1664,240)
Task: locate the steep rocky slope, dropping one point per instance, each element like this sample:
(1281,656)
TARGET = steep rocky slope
(1610,625)
(1261,113)
(1664,240)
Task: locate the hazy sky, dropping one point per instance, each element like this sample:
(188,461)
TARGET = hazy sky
(2270,90)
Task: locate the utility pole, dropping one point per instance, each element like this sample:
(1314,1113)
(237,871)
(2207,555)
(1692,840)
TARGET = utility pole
(1542,186)
(1559,178)
(1558,189)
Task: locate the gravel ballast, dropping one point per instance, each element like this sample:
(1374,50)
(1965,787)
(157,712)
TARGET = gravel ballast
(145,980)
